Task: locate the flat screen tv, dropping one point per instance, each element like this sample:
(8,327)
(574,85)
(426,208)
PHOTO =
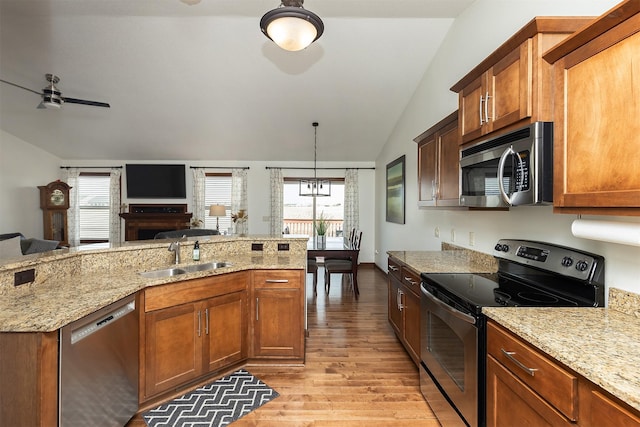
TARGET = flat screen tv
(156,181)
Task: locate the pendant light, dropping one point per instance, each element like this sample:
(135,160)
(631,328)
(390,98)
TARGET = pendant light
(291,26)
(315,187)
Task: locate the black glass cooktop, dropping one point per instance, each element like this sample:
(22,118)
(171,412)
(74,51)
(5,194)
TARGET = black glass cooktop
(474,291)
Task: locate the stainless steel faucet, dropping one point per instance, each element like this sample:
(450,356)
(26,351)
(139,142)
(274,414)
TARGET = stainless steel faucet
(175,247)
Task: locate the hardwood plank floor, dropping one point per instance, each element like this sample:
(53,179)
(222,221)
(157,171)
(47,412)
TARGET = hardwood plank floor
(356,371)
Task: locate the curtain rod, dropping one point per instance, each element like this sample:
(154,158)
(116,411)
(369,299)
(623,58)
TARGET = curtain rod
(219,167)
(91,167)
(275,167)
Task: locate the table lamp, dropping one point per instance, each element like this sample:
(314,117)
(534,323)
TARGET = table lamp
(217,211)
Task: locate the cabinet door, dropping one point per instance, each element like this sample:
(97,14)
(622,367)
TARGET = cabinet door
(604,411)
(173,347)
(511,403)
(471,113)
(395,313)
(449,166)
(597,132)
(411,314)
(510,85)
(427,170)
(278,323)
(226,330)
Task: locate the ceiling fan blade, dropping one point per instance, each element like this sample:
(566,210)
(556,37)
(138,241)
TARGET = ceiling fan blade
(85,102)
(21,87)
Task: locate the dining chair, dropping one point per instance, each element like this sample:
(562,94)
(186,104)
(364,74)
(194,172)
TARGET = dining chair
(344,266)
(312,267)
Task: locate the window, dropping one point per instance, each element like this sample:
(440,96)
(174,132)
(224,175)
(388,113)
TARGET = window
(299,211)
(218,192)
(93,196)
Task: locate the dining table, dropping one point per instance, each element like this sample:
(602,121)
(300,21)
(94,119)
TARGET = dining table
(334,248)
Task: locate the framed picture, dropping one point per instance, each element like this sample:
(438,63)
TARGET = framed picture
(395,191)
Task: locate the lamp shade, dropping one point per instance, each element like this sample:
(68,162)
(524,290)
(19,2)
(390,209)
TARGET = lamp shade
(292,28)
(217,210)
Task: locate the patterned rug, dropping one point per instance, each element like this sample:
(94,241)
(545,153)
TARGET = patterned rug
(213,405)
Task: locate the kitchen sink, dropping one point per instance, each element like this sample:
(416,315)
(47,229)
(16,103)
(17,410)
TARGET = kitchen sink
(175,271)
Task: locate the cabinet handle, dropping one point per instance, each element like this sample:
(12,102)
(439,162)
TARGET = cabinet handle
(411,282)
(199,322)
(433,189)
(480,110)
(277,281)
(510,355)
(257,308)
(486,108)
(206,321)
(400,305)
(393,267)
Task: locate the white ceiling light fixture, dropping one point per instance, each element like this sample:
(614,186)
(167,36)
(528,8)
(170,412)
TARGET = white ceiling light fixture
(291,26)
(190,2)
(315,187)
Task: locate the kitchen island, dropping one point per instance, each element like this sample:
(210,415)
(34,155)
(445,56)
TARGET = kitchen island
(192,325)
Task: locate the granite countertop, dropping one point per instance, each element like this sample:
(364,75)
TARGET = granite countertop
(59,300)
(601,344)
(447,261)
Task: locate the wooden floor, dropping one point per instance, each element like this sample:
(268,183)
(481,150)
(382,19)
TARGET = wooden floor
(356,371)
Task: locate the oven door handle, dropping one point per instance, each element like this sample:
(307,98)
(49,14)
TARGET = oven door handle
(455,313)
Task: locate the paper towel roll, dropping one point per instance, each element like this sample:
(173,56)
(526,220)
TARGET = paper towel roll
(624,233)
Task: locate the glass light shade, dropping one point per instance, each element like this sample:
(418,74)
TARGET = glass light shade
(291,33)
(217,210)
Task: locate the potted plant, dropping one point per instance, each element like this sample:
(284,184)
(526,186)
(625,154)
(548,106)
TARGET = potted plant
(321,225)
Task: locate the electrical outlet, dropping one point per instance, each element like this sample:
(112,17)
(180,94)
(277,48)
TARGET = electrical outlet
(453,235)
(25,276)
(436,232)
(472,238)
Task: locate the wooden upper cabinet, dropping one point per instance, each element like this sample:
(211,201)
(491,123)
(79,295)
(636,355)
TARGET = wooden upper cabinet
(439,164)
(597,111)
(512,86)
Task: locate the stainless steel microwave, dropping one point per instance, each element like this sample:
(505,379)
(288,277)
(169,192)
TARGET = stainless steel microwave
(512,169)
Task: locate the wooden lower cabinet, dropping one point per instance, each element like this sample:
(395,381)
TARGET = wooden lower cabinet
(404,307)
(191,329)
(528,387)
(277,319)
(29,379)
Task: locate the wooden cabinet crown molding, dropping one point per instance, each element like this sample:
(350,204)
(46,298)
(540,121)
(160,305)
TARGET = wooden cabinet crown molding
(548,25)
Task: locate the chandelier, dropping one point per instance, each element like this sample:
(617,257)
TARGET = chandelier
(315,187)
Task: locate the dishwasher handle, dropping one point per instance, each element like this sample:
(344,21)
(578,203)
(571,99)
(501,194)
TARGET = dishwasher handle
(91,328)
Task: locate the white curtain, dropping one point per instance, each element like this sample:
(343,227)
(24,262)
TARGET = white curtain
(114,205)
(199,208)
(239,197)
(277,199)
(351,202)
(70,176)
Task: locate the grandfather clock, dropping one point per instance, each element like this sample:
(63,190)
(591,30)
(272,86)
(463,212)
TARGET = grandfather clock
(54,202)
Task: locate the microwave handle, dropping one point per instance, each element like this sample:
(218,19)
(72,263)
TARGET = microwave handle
(509,151)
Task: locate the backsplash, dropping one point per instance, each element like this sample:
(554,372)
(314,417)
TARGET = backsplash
(625,302)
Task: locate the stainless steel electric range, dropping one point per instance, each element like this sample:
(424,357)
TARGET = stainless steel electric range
(453,328)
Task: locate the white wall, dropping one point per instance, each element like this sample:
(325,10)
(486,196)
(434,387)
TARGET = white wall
(477,32)
(23,167)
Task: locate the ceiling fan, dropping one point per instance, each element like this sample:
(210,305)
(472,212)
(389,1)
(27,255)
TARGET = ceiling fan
(52,97)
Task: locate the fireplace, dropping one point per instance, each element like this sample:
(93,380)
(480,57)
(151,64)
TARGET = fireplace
(144,221)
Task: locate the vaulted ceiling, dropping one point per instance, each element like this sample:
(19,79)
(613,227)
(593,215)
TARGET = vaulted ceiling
(202,82)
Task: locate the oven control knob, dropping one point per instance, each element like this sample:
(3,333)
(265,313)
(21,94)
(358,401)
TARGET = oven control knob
(505,248)
(582,265)
(567,262)
(498,247)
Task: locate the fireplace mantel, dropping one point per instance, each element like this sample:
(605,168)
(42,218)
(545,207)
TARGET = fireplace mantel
(144,221)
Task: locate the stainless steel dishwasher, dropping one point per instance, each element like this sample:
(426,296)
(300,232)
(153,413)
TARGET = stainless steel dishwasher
(99,367)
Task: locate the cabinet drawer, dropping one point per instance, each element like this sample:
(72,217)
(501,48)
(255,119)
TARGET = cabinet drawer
(411,280)
(173,294)
(394,269)
(265,279)
(552,382)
